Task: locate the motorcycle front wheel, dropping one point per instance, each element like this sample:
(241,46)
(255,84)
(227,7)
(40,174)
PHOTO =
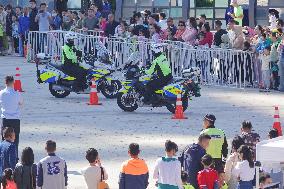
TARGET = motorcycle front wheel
(172,107)
(126,102)
(58,94)
(111,91)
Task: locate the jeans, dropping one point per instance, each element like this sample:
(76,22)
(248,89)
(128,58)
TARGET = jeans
(15,124)
(245,185)
(266,78)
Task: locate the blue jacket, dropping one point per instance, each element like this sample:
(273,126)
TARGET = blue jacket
(191,162)
(134,175)
(57,21)
(24,25)
(8,155)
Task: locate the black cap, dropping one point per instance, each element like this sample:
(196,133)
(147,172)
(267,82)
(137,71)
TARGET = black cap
(32,1)
(210,117)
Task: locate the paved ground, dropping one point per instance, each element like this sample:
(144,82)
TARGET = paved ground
(76,126)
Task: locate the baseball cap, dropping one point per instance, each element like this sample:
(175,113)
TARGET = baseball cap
(210,117)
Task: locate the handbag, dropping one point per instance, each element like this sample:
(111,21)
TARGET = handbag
(102,184)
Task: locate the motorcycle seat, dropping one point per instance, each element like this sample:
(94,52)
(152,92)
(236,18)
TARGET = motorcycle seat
(57,66)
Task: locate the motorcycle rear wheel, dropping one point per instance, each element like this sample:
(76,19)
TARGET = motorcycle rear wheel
(58,94)
(121,98)
(112,90)
(172,107)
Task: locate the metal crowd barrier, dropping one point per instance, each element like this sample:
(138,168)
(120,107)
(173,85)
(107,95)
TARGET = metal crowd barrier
(218,66)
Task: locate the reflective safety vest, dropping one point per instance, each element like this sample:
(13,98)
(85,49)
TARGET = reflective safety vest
(163,63)
(216,142)
(69,54)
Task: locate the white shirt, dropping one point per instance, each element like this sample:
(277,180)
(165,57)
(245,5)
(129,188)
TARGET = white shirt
(243,171)
(265,62)
(168,171)
(163,24)
(92,175)
(10,101)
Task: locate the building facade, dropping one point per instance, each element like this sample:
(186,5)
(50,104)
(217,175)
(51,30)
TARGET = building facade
(255,10)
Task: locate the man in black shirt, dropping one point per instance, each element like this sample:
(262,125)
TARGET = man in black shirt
(219,33)
(33,13)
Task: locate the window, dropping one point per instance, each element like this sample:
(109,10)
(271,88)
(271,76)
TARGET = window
(176,12)
(161,3)
(129,2)
(144,2)
(204,3)
(207,12)
(220,13)
(221,3)
(74,4)
(262,3)
(176,3)
(128,12)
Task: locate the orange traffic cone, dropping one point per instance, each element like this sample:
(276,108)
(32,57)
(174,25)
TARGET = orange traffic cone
(94,99)
(277,124)
(179,109)
(18,83)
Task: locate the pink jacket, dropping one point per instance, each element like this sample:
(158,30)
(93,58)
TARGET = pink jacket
(190,35)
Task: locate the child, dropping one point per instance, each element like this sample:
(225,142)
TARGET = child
(7,180)
(244,169)
(15,33)
(265,68)
(8,152)
(51,170)
(275,60)
(222,182)
(93,172)
(166,165)
(134,173)
(208,177)
(184,178)
(250,138)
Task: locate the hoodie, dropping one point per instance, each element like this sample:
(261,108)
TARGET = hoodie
(191,162)
(134,174)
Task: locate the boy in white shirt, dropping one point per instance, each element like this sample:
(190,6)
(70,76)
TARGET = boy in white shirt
(93,172)
(167,170)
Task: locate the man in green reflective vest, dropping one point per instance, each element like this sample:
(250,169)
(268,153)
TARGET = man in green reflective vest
(218,146)
(161,67)
(71,66)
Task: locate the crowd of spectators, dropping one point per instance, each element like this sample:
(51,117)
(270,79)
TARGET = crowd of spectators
(196,167)
(265,41)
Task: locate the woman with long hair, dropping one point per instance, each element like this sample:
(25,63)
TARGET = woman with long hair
(25,172)
(244,169)
(208,38)
(191,31)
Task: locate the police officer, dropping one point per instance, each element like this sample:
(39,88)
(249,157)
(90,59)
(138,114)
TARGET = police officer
(71,67)
(161,67)
(218,146)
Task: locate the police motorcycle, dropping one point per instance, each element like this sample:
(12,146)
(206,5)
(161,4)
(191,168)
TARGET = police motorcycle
(99,67)
(131,96)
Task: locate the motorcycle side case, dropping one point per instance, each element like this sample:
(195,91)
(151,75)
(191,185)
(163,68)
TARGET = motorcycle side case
(172,90)
(51,75)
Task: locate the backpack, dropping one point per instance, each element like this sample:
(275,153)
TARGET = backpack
(184,155)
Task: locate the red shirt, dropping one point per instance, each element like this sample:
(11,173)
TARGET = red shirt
(207,177)
(208,39)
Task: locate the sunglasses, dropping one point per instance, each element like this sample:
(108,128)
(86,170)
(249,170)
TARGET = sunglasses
(181,25)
